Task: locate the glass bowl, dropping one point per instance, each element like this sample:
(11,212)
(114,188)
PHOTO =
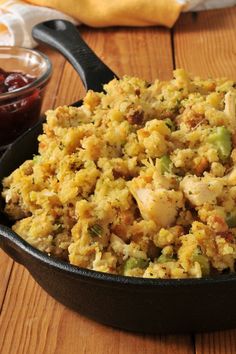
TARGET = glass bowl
(20,108)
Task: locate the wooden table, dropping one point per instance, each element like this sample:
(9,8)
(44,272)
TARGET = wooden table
(32,322)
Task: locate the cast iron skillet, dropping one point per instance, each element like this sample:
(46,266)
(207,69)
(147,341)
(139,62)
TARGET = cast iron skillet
(142,305)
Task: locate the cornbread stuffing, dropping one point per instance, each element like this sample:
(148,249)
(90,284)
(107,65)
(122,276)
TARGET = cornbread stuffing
(140,180)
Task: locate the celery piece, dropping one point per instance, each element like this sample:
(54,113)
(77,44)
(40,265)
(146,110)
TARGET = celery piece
(95,230)
(204,263)
(132,262)
(221,139)
(36,158)
(170,124)
(166,164)
(231,219)
(164,259)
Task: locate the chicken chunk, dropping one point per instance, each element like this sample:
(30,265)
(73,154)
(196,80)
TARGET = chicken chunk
(158,204)
(200,190)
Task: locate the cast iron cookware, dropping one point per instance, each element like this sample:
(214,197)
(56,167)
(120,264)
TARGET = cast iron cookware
(136,304)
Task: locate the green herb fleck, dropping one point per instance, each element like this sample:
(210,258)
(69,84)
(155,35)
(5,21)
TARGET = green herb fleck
(61,146)
(170,124)
(95,230)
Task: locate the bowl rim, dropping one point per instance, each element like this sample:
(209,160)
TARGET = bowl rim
(40,81)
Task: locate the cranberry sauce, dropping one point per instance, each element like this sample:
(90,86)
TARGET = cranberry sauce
(19,113)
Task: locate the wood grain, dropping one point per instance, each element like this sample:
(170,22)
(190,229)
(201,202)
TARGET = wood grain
(205,45)
(6,264)
(222,342)
(22,330)
(31,321)
(58,63)
(140,52)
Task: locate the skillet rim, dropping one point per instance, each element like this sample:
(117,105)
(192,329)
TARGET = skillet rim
(72,270)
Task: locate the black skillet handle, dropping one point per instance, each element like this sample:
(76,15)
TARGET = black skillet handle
(63,36)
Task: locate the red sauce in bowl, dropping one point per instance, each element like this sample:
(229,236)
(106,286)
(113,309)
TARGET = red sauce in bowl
(21,112)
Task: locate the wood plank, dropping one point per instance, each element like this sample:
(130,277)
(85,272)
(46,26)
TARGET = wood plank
(205,45)
(149,56)
(221,342)
(33,322)
(49,99)
(58,63)
(21,330)
(142,52)
(6,264)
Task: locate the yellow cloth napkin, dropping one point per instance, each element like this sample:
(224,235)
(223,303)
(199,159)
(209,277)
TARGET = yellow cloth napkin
(100,13)
(17,19)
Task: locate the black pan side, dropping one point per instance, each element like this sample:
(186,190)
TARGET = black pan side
(142,305)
